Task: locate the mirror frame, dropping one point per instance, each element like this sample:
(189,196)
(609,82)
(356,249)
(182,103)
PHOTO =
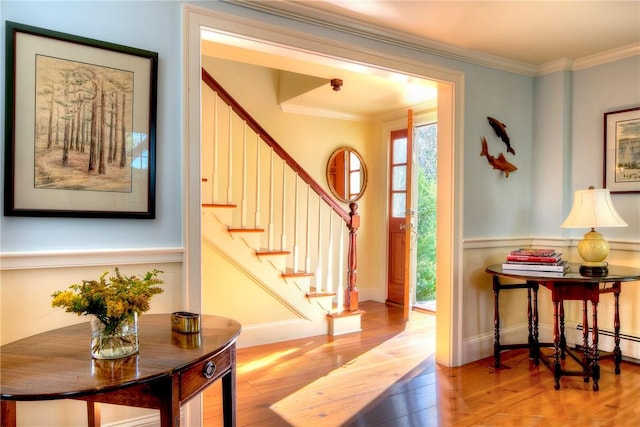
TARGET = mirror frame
(363,171)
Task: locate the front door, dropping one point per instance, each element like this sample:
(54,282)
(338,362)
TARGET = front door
(401,218)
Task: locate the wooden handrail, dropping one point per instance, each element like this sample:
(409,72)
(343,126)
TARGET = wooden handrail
(242,113)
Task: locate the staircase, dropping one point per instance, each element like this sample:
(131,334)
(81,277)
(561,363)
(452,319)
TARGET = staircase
(288,247)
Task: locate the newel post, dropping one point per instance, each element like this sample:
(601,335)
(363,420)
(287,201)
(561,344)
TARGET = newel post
(351,293)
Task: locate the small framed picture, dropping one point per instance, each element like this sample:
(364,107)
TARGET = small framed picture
(81,126)
(622,151)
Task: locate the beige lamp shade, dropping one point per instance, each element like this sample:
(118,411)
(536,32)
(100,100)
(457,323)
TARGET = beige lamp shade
(593,208)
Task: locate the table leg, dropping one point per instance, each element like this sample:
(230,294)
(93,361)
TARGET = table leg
(530,323)
(496,322)
(595,366)
(536,340)
(617,354)
(229,394)
(170,402)
(8,413)
(563,339)
(93,414)
(556,347)
(585,340)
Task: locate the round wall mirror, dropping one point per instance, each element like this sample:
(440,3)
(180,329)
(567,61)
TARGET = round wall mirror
(346,174)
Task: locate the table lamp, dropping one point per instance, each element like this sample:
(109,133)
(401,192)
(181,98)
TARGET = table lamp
(593,208)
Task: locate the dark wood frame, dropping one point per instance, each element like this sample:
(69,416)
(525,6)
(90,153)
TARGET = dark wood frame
(25,45)
(610,150)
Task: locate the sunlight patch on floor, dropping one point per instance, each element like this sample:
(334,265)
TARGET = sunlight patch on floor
(352,383)
(263,362)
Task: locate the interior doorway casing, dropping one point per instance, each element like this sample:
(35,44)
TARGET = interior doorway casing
(275,37)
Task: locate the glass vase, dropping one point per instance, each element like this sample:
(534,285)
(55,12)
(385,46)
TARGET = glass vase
(120,340)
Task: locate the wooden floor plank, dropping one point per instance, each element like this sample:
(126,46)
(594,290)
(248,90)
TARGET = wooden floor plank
(386,375)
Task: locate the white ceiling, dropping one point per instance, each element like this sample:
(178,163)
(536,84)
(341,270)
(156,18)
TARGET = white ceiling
(532,32)
(529,34)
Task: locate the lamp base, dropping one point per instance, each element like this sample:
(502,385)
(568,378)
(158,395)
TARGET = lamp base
(594,270)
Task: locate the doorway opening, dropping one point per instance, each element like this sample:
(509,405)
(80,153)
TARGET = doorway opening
(260,36)
(426,178)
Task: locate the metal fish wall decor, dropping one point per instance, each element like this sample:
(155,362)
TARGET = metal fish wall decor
(501,131)
(500,162)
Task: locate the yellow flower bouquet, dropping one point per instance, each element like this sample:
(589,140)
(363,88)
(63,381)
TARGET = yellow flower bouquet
(115,305)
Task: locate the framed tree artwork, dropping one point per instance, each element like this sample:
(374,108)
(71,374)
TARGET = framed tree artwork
(622,151)
(80,126)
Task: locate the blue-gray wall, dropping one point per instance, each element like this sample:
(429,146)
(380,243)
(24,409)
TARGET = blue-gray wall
(554,122)
(152,26)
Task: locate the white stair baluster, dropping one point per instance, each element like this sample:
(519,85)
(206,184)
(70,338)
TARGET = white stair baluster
(330,255)
(296,217)
(307,238)
(319,265)
(340,290)
(230,160)
(257,214)
(283,233)
(271,196)
(214,183)
(243,202)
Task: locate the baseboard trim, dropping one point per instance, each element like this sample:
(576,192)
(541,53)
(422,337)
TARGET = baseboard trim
(481,346)
(152,420)
(629,344)
(267,333)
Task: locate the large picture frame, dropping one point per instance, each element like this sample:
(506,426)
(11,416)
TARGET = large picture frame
(80,126)
(622,151)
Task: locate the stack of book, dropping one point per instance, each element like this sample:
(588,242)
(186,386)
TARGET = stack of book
(536,260)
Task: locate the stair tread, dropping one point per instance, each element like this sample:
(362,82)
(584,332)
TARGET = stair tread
(289,273)
(245,230)
(218,205)
(312,294)
(263,252)
(347,313)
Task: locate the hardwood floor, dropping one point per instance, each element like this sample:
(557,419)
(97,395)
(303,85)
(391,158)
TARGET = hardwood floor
(386,375)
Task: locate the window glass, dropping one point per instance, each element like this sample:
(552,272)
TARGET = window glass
(400,151)
(399,180)
(398,203)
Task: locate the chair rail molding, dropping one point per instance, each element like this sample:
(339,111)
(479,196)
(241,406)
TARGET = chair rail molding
(76,258)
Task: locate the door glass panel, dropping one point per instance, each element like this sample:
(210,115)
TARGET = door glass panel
(355,182)
(399,180)
(398,203)
(400,150)
(355,162)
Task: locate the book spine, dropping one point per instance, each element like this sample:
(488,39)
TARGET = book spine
(527,258)
(535,267)
(530,273)
(534,252)
(559,262)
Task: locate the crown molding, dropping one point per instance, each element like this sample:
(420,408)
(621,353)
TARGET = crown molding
(320,112)
(333,114)
(568,64)
(563,64)
(606,57)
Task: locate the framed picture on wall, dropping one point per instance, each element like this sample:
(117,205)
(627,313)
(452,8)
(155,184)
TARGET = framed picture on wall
(80,126)
(622,151)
